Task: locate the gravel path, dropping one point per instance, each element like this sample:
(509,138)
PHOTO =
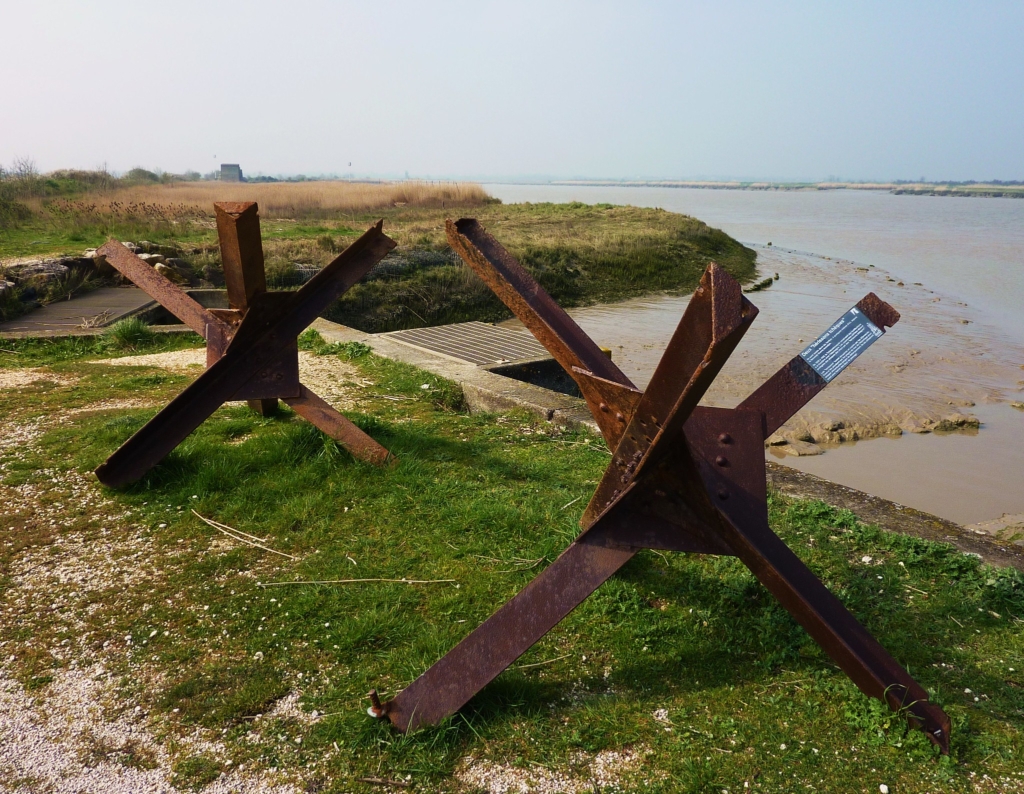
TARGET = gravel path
(64,743)
(334,380)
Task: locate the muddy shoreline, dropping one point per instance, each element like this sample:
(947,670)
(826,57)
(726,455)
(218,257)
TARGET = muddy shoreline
(944,373)
(894,517)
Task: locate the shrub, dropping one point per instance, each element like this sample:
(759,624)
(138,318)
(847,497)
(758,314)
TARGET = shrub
(68,285)
(11,305)
(128,334)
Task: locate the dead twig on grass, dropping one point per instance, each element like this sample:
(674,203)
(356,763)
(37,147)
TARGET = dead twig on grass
(586,444)
(379,781)
(219,525)
(541,664)
(520,563)
(241,537)
(357,581)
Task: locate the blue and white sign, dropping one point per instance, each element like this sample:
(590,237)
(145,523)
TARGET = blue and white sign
(836,349)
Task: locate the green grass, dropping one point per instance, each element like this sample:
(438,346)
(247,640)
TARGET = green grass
(290,230)
(131,333)
(742,694)
(32,352)
(43,236)
(579,253)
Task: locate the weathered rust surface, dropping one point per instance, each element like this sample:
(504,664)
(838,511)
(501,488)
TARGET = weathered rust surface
(714,322)
(546,320)
(170,295)
(506,635)
(733,472)
(683,478)
(793,386)
(252,351)
(241,251)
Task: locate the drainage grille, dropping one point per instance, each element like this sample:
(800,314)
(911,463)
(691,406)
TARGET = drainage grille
(475,342)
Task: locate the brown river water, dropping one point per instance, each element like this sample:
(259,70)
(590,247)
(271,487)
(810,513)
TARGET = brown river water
(956,354)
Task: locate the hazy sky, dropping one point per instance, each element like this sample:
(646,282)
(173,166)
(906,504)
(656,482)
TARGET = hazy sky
(518,89)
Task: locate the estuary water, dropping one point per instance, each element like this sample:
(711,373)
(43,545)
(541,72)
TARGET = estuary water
(968,247)
(953,267)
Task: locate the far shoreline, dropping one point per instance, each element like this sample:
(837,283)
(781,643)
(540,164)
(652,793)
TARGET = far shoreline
(953,189)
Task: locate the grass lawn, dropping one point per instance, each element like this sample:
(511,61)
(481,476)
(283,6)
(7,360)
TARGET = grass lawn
(681,674)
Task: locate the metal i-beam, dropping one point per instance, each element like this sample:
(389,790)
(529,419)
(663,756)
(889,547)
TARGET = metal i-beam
(601,382)
(170,295)
(241,252)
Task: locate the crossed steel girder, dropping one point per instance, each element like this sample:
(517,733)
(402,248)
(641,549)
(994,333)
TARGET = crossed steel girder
(683,477)
(251,348)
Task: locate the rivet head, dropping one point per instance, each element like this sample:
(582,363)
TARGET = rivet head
(604,407)
(620,417)
(723,494)
(721,460)
(725,438)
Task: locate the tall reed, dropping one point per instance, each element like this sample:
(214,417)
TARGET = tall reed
(284,199)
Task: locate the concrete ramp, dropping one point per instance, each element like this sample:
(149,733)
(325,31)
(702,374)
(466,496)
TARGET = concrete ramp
(94,309)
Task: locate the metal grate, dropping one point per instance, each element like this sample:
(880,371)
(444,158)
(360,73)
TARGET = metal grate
(475,342)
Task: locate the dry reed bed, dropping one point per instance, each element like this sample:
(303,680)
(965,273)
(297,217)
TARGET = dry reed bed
(279,200)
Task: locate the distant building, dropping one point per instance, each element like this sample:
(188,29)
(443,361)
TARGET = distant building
(231,172)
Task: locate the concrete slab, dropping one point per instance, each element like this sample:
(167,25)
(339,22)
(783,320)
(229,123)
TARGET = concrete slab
(93,309)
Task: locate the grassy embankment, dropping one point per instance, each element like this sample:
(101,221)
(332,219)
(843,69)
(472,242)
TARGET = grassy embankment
(581,254)
(681,662)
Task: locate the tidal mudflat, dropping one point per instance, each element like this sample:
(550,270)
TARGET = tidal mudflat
(942,382)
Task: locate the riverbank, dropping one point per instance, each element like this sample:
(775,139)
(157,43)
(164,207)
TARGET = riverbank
(941,378)
(581,254)
(956,351)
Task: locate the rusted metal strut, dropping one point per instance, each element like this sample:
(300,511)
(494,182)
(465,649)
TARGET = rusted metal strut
(251,348)
(683,477)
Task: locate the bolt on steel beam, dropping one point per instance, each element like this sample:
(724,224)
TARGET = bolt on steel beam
(683,477)
(251,348)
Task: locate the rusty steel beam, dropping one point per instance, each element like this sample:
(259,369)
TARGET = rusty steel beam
(255,359)
(619,534)
(317,412)
(595,373)
(683,478)
(715,320)
(505,636)
(545,319)
(588,562)
(241,253)
(170,295)
(733,472)
(793,386)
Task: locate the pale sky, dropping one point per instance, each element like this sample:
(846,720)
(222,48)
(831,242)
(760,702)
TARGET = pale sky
(523,89)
